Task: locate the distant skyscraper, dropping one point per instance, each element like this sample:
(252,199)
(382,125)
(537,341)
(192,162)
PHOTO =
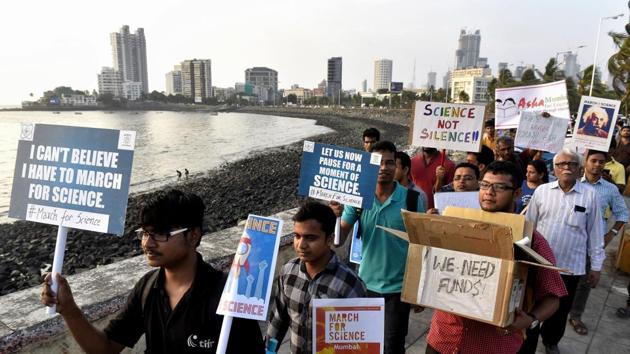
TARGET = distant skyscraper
(174,81)
(334,77)
(446,80)
(129,53)
(382,74)
(570,65)
(364,85)
(110,82)
(431,78)
(502,66)
(197,79)
(264,78)
(467,52)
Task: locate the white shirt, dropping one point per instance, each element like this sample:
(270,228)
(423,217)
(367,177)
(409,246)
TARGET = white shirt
(571,223)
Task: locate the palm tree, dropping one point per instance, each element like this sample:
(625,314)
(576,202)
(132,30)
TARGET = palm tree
(619,67)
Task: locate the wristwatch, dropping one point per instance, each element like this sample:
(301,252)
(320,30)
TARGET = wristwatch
(535,322)
(614,231)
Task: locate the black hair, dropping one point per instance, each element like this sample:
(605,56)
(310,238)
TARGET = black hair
(540,167)
(489,123)
(485,156)
(590,152)
(383,146)
(405,160)
(507,168)
(171,208)
(468,165)
(372,133)
(313,210)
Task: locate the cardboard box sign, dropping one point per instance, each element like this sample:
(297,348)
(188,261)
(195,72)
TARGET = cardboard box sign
(467,267)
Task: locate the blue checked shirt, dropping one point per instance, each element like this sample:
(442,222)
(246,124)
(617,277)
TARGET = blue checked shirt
(609,196)
(572,224)
(295,290)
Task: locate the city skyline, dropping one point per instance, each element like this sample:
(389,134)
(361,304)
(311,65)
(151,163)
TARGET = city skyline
(74,45)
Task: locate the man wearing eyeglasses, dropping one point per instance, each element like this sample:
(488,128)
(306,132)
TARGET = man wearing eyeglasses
(173,306)
(465,179)
(568,214)
(499,189)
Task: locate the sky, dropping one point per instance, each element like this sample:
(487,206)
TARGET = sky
(48,44)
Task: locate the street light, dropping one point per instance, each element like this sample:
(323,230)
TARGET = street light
(599,29)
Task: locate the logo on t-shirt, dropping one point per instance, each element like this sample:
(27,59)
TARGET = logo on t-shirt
(194,342)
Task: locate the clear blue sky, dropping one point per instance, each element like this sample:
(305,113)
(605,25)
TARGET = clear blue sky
(47,44)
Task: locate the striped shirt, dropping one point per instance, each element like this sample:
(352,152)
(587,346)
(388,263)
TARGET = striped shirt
(293,299)
(609,196)
(572,224)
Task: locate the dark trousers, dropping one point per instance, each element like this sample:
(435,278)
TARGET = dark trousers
(552,330)
(396,322)
(581,294)
(430,350)
(531,342)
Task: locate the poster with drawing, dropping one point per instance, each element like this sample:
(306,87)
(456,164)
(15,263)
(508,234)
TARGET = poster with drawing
(595,123)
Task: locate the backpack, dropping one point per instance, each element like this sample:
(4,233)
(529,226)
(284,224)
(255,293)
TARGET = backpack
(411,201)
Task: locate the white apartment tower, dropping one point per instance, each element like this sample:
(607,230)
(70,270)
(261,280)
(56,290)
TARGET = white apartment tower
(382,74)
(129,54)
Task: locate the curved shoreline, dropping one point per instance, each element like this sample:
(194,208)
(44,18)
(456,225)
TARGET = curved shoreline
(264,184)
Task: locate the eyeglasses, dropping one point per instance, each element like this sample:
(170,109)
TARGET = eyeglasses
(497,187)
(567,164)
(143,234)
(464,178)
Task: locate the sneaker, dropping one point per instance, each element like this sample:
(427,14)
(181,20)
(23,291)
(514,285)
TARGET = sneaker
(551,349)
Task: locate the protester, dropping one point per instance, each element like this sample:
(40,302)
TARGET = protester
(450,333)
(614,172)
(384,255)
(609,197)
(431,170)
(316,273)
(481,159)
(536,175)
(465,179)
(488,135)
(403,166)
(504,151)
(568,214)
(621,152)
(173,306)
(370,137)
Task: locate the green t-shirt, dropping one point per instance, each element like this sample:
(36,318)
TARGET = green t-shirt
(383,255)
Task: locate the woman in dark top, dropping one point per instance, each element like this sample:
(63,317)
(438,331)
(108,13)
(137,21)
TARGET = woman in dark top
(536,175)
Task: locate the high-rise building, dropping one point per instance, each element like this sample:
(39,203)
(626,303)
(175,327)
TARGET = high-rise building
(197,79)
(129,52)
(467,53)
(364,85)
(174,81)
(431,79)
(446,80)
(570,66)
(265,79)
(333,88)
(110,82)
(382,74)
(474,82)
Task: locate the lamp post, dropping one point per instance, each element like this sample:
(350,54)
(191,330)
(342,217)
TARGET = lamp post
(599,29)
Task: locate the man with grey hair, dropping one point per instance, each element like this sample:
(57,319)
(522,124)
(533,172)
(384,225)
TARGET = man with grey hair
(568,215)
(504,151)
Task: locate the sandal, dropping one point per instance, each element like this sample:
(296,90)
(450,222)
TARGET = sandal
(578,326)
(623,312)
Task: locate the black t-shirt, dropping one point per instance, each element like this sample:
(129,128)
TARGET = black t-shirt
(191,327)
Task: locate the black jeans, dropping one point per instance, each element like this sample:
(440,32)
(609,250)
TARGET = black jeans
(552,330)
(396,322)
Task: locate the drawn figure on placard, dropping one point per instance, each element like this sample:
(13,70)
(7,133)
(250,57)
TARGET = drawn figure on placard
(594,122)
(506,107)
(240,261)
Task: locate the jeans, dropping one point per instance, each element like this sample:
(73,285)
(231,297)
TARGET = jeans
(396,322)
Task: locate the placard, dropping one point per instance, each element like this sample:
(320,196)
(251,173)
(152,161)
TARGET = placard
(541,133)
(511,102)
(248,286)
(595,123)
(448,126)
(345,326)
(340,174)
(456,199)
(459,282)
(75,177)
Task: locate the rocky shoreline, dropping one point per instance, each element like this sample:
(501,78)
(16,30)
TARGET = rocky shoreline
(265,183)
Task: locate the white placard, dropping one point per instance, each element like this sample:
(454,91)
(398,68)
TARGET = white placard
(595,123)
(458,282)
(511,102)
(456,199)
(541,133)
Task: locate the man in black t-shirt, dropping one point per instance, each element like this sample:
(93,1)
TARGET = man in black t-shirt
(175,305)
